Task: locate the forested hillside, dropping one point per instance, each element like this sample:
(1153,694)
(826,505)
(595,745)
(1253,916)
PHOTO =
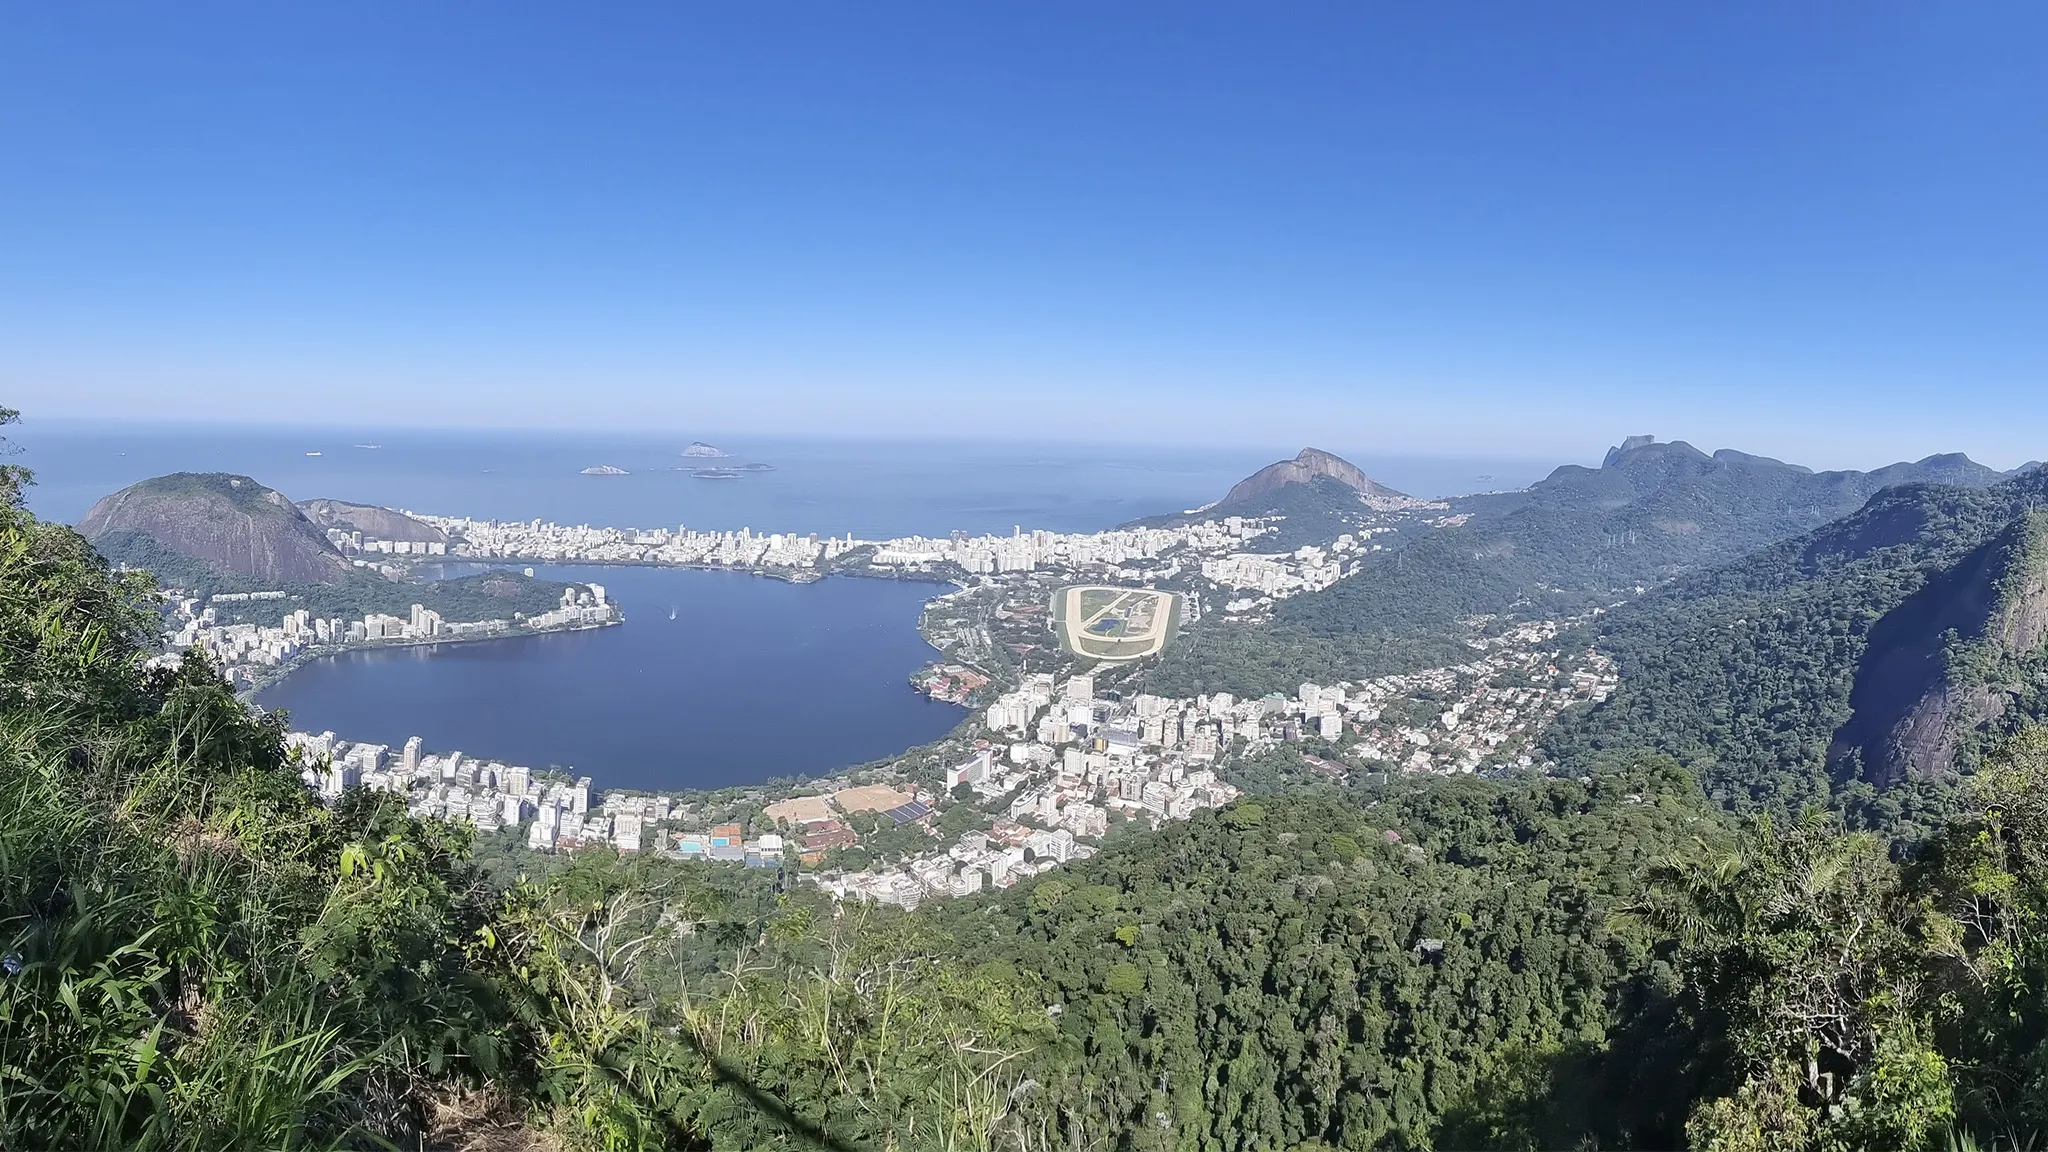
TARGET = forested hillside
(1870,657)
(1579,538)
(1308,970)
(1583,535)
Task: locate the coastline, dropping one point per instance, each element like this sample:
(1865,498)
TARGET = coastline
(917,680)
(950,743)
(274,675)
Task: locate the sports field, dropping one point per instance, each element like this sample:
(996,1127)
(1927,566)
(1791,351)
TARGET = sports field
(1114,624)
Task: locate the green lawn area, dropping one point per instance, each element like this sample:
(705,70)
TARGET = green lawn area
(1095,600)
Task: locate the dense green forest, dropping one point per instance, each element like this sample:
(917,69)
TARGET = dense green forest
(195,954)
(1757,674)
(1253,659)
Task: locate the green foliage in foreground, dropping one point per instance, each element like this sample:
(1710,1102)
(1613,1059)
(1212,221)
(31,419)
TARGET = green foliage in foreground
(193,954)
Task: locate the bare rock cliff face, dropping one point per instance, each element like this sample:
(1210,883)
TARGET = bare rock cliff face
(370,520)
(231,524)
(1304,468)
(1938,674)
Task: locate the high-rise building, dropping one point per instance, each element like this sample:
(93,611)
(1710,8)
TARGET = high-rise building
(411,757)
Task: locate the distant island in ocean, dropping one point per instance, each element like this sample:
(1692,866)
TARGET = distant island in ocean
(699,448)
(604,470)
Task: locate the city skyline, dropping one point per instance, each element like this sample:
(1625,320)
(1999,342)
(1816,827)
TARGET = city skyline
(1476,233)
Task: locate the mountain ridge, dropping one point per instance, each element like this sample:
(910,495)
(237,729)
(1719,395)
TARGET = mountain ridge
(1579,538)
(1886,648)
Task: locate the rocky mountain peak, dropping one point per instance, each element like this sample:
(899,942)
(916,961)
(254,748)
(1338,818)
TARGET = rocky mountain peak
(1627,446)
(1305,468)
(232,525)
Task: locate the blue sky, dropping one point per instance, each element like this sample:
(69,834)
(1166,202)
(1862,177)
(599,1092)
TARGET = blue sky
(1815,231)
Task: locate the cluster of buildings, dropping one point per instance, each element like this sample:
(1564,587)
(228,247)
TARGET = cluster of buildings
(541,540)
(557,811)
(1278,576)
(1110,739)
(997,858)
(1223,552)
(1023,551)
(1491,707)
(580,608)
(243,651)
(952,683)
(1080,764)
(486,793)
(350,542)
(1074,762)
(1220,551)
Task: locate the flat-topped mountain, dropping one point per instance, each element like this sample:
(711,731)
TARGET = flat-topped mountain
(1304,469)
(370,520)
(216,522)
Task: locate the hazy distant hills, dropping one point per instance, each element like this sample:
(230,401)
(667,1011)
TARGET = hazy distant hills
(1318,496)
(189,523)
(1891,646)
(370,520)
(1788,633)
(1652,509)
(1649,513)
(1310,465)
(1580,537)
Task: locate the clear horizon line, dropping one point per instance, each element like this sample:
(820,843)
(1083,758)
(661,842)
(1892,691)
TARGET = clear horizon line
(29,424)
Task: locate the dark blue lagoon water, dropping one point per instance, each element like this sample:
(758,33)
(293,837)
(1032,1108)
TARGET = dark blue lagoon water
(755,678)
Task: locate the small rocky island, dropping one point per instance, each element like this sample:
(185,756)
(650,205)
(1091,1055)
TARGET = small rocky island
(700,449)
(604,470)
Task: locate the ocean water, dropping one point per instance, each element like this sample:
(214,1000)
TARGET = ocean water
(872,488)
(753,679)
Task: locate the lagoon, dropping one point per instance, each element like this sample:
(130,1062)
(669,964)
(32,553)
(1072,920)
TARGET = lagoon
(754,679)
